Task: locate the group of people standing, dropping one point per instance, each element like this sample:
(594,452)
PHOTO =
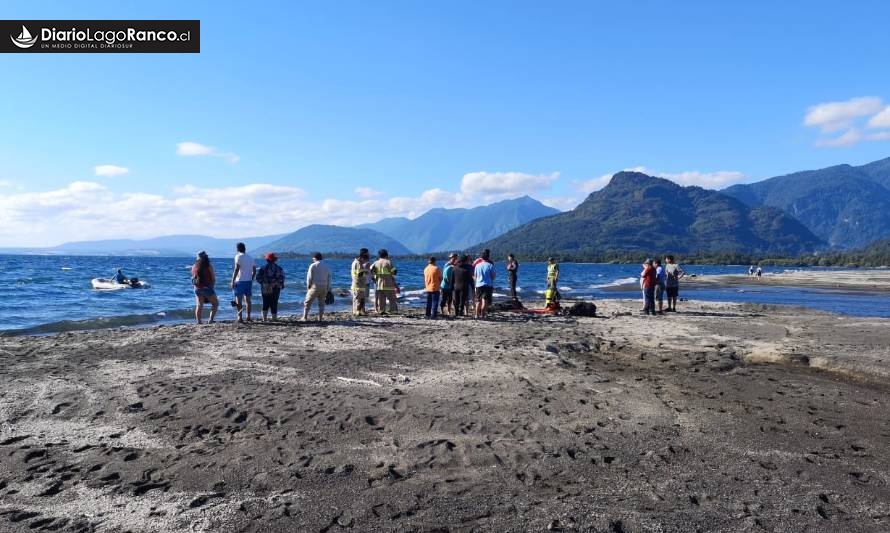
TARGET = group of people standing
(460,288)
(658,280)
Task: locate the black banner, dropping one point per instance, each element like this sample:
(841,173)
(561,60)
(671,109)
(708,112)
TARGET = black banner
(100,36)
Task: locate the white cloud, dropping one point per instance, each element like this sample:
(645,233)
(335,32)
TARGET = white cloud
(850,117)
(5,183)
(848,138)
(563,203)
(708,180)
(835,116)
(366,192)
(498,185)
(591,185)
(109,171)
(192,149)
(881,120)
(879,136)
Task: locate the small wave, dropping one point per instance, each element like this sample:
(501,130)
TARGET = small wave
(103,323)
(615,283)
(66,268)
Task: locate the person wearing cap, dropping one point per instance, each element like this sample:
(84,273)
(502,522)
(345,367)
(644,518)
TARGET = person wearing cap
(361,280)
(552,273)
(271,279)
(447,285)
(204,280)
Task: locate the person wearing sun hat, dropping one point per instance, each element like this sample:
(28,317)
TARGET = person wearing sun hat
(271,279)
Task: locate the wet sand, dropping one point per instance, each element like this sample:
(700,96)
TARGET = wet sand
(869,280)
(723,417)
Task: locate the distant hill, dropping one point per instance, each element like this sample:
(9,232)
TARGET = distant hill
(846,206)
(167,246)
(442,230)
(636,212)
(321,238)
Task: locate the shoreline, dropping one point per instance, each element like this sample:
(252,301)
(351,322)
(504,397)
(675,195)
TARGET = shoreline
(849,281)
(724,417)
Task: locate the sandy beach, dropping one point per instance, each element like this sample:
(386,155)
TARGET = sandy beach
(723,417)
(871,280)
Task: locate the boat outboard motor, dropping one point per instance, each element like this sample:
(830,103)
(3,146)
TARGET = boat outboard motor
(134,282)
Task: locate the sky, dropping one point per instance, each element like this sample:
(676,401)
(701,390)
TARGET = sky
(350,111)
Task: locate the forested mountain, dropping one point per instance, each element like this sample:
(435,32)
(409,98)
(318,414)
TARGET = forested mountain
(845,206)
(637,212)
(321,238)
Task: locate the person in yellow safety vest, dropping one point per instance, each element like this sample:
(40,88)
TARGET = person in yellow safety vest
(361,281)
(384,274)
(551,295)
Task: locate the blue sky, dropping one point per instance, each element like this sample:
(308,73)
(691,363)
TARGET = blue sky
(344,112)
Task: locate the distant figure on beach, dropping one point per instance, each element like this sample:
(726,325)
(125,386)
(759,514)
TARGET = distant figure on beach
(751,271)
(361,282)
(242,281)
(204,280)
(552,272)
(462,280)
(384,274)
(512,274)
(759,272)
(119,277)
(447,285)
(432,279)
(318,284)
(672,276)
(271,279)
(659,285)
(483,276)
(648,282)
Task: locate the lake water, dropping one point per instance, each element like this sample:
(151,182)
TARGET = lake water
(47,294)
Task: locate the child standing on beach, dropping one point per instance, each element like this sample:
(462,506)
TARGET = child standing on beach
(432,278)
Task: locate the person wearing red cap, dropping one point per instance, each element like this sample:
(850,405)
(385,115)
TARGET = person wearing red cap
(271,280)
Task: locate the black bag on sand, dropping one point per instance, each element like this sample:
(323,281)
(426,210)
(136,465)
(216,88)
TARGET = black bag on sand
(582,309)
(329,299)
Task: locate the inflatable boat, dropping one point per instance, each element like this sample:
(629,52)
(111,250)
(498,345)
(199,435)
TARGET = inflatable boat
(103,284)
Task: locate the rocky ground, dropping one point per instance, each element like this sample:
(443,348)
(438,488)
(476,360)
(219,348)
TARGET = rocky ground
(719,418)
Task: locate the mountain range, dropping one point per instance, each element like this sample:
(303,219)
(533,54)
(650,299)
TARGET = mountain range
(166,246)
(637,212)
(443,230)
(336,239)
(846,206)
(839,207)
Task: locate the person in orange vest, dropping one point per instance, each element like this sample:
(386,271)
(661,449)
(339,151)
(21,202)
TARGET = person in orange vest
(432,279)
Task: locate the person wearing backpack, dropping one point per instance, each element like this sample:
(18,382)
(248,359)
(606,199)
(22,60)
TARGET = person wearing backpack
(672,275)
(204,280)
(271,280)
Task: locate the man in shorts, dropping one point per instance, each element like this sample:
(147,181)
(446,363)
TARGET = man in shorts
(242,280)
(483,276)
(672,275)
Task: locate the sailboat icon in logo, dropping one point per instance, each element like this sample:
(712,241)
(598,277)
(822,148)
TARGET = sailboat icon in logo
(24,40)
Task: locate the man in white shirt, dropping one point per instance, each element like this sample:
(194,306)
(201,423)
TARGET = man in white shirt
(242,280)
(318,283)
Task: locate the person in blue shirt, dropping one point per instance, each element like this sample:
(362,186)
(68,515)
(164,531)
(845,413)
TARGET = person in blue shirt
(483,276)
(119,277)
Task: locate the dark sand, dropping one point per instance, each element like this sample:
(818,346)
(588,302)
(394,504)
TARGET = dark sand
(721,418)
